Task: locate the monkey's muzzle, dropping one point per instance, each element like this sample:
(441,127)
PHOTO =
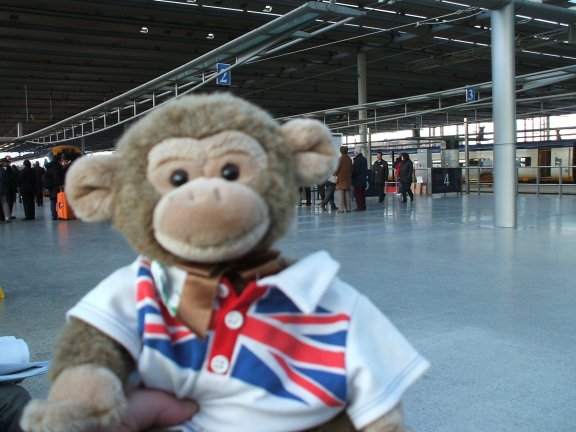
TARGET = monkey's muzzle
(210,220)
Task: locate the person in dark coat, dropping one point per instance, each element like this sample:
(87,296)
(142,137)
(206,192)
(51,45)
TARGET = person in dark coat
(13,399)
(405,175)
(39,188)
(54,180)
(307,194)
(359,179)
(27,185)
(380,171)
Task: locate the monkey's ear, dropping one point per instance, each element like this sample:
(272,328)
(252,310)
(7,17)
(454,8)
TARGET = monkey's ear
(314,151)
(89,187)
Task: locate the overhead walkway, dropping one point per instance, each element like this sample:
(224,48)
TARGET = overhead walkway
(309,20)
(492,309)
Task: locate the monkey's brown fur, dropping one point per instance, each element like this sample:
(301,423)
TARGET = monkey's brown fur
(135,198)
(130,200)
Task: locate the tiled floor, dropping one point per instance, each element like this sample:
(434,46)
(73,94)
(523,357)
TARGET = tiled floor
(493,309)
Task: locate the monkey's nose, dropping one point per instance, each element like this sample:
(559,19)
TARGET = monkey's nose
(203,192)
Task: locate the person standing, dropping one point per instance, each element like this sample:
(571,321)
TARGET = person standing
(380,171)
(27,186)
(5,175)
(307,195)
(39,175)
(359,179)
(344,183)
(54,181)
(11,177)
(405,175)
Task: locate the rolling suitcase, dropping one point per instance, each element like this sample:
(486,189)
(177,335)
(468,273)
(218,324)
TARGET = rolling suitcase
(63,208)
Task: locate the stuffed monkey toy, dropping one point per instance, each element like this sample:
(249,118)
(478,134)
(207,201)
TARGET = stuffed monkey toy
(202,188)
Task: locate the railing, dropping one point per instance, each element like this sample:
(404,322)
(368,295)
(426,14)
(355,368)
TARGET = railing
(559,181)
(542,179)
(308,20)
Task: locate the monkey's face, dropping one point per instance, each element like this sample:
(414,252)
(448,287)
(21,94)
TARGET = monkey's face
(204,179)
(209,209)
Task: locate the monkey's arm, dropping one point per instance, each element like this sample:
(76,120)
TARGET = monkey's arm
(89,373)
(81,343)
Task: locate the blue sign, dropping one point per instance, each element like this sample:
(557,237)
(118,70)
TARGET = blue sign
(470,94)
(224,77)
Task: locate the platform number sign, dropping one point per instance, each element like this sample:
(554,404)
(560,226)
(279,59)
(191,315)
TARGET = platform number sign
(446,180)
(470,94)
(224,77)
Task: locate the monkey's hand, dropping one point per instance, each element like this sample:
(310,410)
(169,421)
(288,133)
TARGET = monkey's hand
(83,398)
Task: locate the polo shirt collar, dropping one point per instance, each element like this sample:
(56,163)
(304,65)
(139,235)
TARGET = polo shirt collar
(306,281)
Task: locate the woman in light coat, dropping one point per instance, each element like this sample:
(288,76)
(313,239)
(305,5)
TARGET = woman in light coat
(344,184)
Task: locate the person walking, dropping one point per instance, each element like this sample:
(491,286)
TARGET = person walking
(359,179)
(27,186)
(380,172)
(405,175)
(344,183)
(329,189)
(397,174)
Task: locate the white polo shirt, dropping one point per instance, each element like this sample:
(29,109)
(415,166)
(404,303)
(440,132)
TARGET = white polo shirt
(291,352)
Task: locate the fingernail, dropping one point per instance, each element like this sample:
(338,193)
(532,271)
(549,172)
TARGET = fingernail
(190,405)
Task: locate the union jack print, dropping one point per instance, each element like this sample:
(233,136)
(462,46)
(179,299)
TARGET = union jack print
(277,347)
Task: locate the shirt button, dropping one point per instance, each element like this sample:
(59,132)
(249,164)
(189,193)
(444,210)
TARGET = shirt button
(234,320)
(223,290)
(219,364)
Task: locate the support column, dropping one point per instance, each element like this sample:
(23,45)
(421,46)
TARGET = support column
(504,114)
(369,148)
(362,115)
(467,155)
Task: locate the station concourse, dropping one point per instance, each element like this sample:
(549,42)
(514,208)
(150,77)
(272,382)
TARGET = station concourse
(492,309)
(481,284)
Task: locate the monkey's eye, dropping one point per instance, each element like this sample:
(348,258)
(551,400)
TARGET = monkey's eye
(230,172)
(179,177)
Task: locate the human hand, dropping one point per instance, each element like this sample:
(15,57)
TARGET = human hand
(154,408)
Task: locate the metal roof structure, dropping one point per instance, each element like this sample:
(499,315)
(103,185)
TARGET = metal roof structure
(60,58)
